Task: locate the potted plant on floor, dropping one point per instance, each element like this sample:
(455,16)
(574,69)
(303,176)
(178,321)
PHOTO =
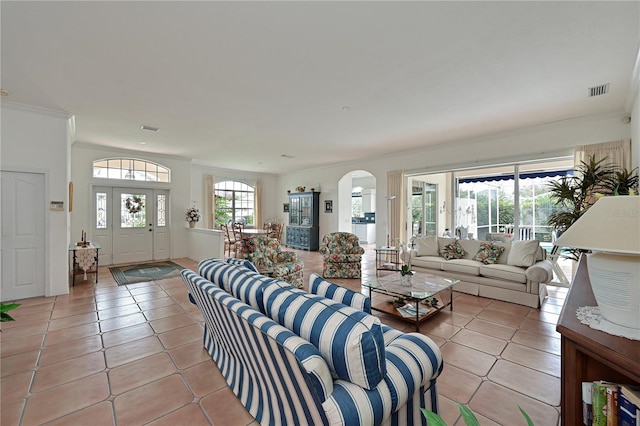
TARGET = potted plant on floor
(575,194)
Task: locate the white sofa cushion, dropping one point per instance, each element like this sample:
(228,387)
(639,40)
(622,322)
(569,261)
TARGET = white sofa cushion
(427,246)
(504,272)
(431,262)
(465,266)
(523,253)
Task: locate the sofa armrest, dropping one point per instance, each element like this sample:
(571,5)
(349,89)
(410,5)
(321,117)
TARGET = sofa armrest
(413,363)
(286,256)
(540,272)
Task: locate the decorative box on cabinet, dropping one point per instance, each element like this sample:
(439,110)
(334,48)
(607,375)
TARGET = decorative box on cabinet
(589,354)
(303,231)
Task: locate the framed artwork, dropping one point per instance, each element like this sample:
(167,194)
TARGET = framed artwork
(328,206)
(285,208)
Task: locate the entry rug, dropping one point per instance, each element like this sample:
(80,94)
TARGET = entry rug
(145,272)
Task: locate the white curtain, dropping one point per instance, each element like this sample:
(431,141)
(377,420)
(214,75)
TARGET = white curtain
(257,200)
(209,206)
(617,153)
(395,186)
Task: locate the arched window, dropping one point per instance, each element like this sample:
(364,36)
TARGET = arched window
(131,169)
(234,202)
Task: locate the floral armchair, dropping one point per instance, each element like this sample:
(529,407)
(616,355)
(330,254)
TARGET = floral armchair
(269,259)
(342,255)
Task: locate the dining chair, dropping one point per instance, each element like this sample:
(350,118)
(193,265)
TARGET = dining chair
(237,234)
(230,241)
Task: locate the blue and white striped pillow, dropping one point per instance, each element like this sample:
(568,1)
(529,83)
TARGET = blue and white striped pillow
(351,341)
(241,262)
(318,285)
(248,286)
(216,271)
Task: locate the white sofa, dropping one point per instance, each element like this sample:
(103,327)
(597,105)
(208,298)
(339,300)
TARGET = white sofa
(518,275)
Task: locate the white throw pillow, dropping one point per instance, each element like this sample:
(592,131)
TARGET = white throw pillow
(427,246)
(523,253)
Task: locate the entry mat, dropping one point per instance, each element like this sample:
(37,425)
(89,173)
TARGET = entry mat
(141,272)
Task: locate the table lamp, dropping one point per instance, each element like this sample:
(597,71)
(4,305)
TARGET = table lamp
(611,230)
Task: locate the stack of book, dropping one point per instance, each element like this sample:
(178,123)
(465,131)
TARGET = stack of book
(409,310)
(610,404)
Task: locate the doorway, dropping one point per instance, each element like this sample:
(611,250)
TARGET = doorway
(23,235)
(131,224)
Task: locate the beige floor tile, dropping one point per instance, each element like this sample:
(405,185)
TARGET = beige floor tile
(122,322)
(162,325)
(164,312)
(127,334)
(114,303)
(139,373)
(457,384)
(468,359)
(63,351)
(533,358)
(203,380)
(100,414)
(62,400)
(68,371)
(25,330)
(152,401)
(156,303)
(67,322)
(133,351)
(15,387)
(71,333)
(537,341)
(540,327)
(225,408)
(19,363)
(21,344)
(118,311)
(22,320)
(181,336)
(11,412)
(191,415)
(480,341)
(150,296)
(491,328)
(504,318)
(543,387)
(499,404)
(74,310)
(188,355)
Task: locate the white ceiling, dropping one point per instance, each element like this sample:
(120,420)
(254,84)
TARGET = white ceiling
(237,84)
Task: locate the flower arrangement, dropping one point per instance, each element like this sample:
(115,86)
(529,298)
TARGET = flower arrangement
(192,215)
(247,245)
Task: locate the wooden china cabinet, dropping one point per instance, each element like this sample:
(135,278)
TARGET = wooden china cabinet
(303,230)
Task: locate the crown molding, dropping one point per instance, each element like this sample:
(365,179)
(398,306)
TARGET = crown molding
(35,109)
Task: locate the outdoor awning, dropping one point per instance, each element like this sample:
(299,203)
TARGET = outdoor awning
(496,178)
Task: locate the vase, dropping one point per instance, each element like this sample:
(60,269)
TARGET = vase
(192,224)
(405,280)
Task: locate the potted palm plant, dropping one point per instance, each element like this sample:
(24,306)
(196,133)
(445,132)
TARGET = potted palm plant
(573,195)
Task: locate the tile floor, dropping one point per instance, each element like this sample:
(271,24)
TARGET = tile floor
(132,355)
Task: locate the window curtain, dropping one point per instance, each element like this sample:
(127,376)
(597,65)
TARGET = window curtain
(257,207)
(395,186)
(617,153)
(209,205)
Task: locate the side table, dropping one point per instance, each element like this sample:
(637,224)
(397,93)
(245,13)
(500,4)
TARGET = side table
(84,260)
(387,259)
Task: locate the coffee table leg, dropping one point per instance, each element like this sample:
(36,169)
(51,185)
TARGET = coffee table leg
(451,298)
(417,316)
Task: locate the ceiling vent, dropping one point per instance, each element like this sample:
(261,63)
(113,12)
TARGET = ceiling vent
(602,89)
(150,128)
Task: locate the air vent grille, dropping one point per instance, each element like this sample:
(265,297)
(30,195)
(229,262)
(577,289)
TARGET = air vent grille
(602,89)
(150,128)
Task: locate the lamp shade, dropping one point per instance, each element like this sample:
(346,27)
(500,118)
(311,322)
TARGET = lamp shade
(611,230)
(612,224)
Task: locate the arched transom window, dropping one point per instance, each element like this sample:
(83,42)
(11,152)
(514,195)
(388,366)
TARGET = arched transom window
(131,169)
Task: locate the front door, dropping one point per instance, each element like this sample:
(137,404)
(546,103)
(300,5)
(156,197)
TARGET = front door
(23,234)
(133,225)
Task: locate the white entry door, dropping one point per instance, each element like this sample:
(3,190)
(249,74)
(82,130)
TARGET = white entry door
(23,234)
(133,225)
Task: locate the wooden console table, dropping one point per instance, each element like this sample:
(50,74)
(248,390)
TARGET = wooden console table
(589,354)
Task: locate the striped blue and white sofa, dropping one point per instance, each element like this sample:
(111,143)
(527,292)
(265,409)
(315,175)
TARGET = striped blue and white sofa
(298,358)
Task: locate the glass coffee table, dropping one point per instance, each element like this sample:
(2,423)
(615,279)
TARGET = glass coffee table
(424,287)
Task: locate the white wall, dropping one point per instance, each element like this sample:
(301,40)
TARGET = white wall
(543,141)
(38,140)
(635,132)
(82,156)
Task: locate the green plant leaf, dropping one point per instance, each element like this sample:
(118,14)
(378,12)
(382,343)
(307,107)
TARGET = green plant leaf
(526,416)
(432,418)
(5,308)
(468,416)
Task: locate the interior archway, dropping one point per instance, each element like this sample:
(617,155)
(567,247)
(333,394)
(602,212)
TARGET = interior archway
(364,198)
